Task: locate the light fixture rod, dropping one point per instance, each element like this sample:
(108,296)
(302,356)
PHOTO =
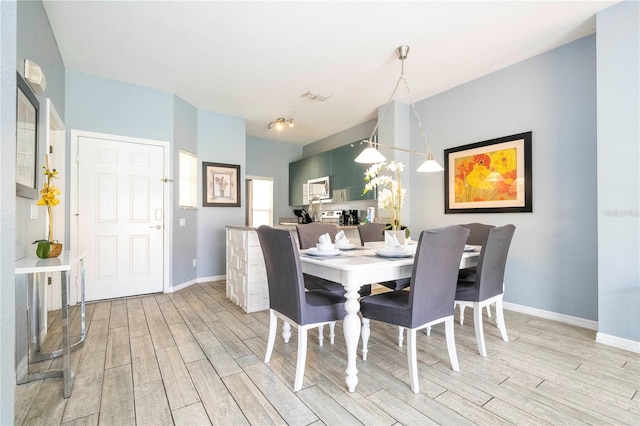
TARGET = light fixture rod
(401,149)
(402,52)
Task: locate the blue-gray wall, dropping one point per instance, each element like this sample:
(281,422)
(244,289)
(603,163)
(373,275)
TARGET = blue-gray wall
(553,258)
(185,136)
(271,159)
(35,42)
(8,22)
(221,139)
(618,68)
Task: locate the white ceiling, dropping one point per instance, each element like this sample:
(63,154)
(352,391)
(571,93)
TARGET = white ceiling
(256,59)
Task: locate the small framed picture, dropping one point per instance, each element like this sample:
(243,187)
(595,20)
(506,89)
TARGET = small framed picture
(220,185)
(492,176)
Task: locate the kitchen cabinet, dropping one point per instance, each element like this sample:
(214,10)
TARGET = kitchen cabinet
(348,176)
(320,165)
(298,176)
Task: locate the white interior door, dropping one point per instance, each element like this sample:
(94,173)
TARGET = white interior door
(120,216)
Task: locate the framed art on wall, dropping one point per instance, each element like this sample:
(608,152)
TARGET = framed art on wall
(492,176)
(26,140)
(220,185)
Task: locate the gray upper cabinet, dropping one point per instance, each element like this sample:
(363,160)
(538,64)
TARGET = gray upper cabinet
(347,176)
(320,165)
(298,176)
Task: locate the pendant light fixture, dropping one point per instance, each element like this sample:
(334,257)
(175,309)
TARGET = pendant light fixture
(371,154)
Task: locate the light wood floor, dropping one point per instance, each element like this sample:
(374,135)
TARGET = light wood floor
(194,358)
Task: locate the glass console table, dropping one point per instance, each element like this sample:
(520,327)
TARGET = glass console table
(35,268)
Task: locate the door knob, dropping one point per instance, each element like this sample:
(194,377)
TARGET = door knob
(156,226)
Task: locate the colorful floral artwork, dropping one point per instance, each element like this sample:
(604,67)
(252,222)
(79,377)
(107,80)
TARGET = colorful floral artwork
(488,176)
(493,176)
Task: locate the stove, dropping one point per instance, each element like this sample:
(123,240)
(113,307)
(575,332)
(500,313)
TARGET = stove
(332,216)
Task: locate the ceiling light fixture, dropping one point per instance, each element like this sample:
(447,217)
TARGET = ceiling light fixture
(371,154)
(279,123)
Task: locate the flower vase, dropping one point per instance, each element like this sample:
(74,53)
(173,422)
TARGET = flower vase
(55,250)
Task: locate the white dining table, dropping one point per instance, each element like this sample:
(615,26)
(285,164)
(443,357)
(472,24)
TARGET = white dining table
(355,268)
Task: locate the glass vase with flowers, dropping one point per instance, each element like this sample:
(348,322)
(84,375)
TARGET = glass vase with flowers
(49,198)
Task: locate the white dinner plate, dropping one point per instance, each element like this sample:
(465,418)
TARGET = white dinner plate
(325,253)
(393,253)
(346,247)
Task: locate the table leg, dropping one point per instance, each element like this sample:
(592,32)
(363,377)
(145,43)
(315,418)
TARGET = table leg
(351,327)
(66,348)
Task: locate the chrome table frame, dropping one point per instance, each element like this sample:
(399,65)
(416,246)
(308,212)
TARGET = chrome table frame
(34,268)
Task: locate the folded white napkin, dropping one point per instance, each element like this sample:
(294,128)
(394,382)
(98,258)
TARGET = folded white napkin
(341,239)
(324,239)
(391,242)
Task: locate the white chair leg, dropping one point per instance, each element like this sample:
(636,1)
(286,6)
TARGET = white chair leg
(412,360)
(332,331)
(400,336)
(365,331)
(461,314)
(451,344)
(500,321)
(286,332)
(273,326)
(302,358)
(428,330)
(489,311)
(477,322)
(321,335)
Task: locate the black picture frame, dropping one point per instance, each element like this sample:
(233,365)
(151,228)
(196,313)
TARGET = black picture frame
(27,137)
(220,185)
(492,176)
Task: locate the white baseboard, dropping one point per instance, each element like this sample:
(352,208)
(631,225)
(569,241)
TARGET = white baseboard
(181,286)
(567,319)
(212,278)
(618,342)
(195,281)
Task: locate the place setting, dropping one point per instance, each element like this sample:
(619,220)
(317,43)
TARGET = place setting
(324,247)
(393,248)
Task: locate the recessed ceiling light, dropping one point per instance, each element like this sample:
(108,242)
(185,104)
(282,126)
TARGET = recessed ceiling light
(316,96)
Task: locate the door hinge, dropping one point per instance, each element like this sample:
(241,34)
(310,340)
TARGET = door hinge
(166,180)
(48,280)
(50,149)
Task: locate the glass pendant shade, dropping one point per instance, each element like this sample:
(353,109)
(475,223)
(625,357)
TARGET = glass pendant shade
(430,165)
(370,155)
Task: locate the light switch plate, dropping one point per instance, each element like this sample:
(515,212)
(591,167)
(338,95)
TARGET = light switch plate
(34,211)
(183,221)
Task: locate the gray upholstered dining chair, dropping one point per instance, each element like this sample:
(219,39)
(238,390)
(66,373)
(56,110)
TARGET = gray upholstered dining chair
(288,299)
(430,299)
(308,234)
(486,286)
(478,233)
(371,232)
(308,237)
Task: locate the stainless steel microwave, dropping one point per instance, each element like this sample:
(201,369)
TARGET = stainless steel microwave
(317,189)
